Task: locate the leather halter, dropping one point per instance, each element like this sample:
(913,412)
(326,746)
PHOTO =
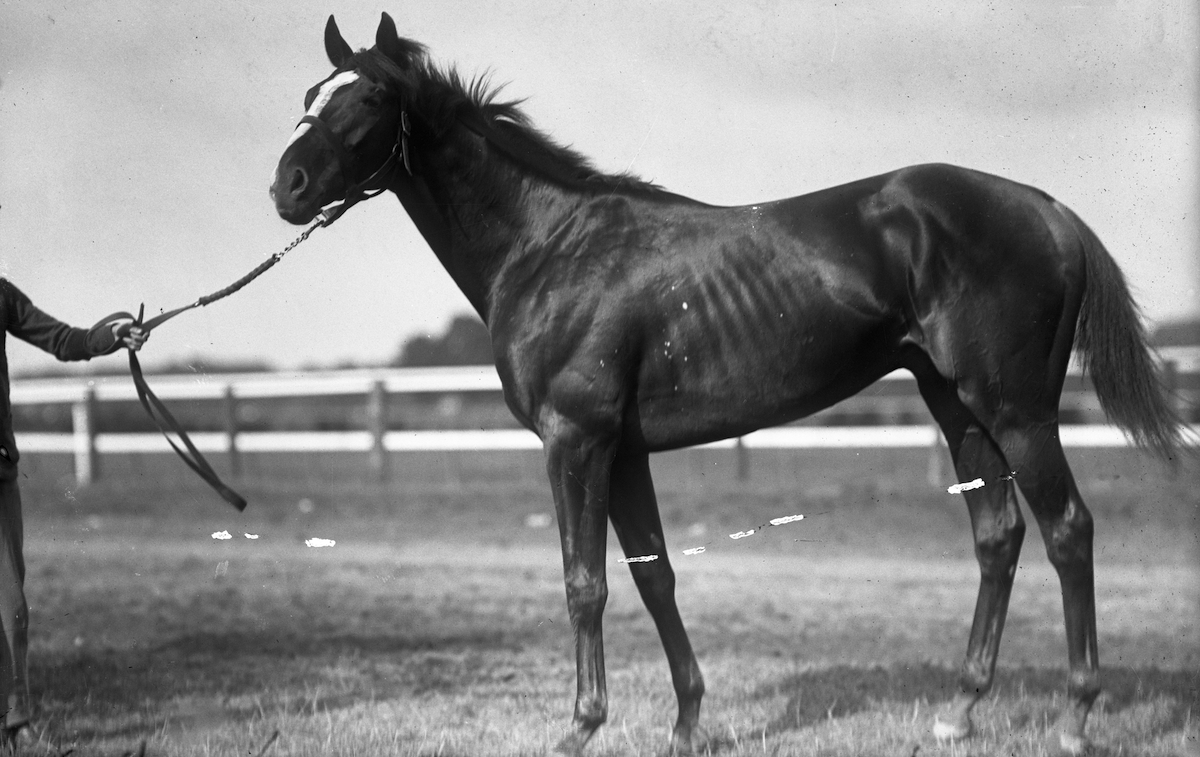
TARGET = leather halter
(363,190)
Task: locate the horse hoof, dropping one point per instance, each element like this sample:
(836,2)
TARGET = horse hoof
(16,737)
(1074,745)
(574,742)
(951,730)
(692,742)
(569,746)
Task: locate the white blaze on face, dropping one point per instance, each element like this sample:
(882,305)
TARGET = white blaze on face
(324,95)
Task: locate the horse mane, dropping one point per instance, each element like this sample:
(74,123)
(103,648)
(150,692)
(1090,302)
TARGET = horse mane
(443,98)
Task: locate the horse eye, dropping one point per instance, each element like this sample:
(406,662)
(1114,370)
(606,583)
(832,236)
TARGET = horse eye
(373,101)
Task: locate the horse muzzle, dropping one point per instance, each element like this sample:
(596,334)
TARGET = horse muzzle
(293,193)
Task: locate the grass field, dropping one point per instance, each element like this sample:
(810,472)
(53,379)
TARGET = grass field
(437,624)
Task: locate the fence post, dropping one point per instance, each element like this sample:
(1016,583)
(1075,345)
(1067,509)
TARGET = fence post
(84,429)
(377,425)
(743,460)
(229,410)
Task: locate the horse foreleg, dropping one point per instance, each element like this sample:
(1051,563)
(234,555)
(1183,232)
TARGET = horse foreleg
(634,513)
(579,477)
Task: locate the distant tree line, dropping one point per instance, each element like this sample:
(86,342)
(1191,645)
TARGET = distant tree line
(465,342)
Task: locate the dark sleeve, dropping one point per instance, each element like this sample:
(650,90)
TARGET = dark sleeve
(65,342)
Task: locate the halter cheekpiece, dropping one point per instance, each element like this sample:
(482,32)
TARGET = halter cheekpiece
(362,190)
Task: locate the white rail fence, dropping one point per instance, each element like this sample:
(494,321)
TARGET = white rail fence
(375,385)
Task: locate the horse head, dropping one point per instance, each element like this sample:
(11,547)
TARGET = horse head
(354,132)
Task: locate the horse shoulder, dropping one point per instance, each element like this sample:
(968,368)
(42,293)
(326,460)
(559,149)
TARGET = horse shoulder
(565,355)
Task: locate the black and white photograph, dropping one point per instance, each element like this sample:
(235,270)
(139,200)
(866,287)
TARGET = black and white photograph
(510,378)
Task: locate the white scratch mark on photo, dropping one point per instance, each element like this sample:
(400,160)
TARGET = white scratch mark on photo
(786,519)
(222,568)
(694,551)
(969,485)
(250,536)
(319,542)
(742,534)
(222,535)
(644,558)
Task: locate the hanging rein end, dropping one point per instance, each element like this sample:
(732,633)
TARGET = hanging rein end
(158,412)
(233,498)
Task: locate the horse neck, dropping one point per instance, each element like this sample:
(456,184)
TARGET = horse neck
(474,208)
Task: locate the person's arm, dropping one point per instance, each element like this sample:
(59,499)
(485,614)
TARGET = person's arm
(65,342)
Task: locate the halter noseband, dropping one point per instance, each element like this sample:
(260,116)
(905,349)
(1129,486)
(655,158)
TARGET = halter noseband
(361,191)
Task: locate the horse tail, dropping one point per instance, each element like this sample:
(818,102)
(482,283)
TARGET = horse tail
(1112,341)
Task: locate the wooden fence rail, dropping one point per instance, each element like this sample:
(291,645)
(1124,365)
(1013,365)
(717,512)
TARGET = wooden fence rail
(376,440)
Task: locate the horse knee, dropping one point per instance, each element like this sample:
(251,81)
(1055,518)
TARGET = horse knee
(586,597)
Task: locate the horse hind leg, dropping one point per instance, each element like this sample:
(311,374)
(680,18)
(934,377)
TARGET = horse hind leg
(633,509)
(1030,445)
(998,530)
(1046,481)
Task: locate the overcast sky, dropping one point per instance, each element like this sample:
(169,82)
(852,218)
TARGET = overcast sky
(137,139)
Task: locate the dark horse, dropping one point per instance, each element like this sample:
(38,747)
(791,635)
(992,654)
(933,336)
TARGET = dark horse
(627,320)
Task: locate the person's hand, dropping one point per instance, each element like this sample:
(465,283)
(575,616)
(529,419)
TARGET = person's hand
(129,334)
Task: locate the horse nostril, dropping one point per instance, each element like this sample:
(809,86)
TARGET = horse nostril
(299,182)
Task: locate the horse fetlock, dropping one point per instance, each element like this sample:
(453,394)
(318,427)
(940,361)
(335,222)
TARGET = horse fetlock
(689,714)
(974,681)
(590,714)
(1083,686)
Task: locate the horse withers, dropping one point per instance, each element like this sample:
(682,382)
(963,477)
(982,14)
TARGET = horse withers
(627,320)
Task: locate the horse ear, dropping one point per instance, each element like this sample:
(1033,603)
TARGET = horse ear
(388,42)
(335,47)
